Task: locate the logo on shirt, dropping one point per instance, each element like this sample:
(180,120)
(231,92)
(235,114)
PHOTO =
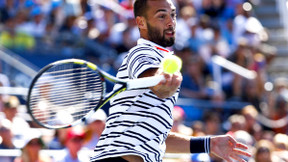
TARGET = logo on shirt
(147,60)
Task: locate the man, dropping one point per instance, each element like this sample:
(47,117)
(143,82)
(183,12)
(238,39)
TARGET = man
(73,144)
(139,122)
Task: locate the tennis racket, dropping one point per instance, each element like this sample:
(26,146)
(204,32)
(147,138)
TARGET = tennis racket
(67,92)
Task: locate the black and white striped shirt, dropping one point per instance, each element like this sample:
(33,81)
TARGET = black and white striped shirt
(139,121)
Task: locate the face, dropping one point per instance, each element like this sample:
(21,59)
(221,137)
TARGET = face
(33,146)
(161,22)
(263,154)
(10,112)
(74,144)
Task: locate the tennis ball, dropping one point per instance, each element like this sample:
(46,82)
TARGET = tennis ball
(171,64)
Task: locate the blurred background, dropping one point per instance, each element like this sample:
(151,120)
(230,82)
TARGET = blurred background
(235,71)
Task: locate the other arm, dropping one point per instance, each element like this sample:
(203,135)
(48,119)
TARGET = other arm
(223,146)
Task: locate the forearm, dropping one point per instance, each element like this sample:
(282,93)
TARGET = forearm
(177,143)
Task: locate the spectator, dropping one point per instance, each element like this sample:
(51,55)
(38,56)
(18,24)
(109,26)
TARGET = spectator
(194,84)
(198,128)
(31,149)
(19,126)
(242,56)
(56,16)
(217,9)
(280,110)
(95,126)
(73,143)
(250,113)
(72,8)
(58,140)
(183,32)
(264,152)
(7,10)
(212,121)
(215,44)
(203,34)
(35,27)
(178,124)
(15,40)
(281,146)
(6,136)
(126,41)
(236,122)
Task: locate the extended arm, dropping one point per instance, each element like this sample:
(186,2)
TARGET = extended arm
(223,146)
(167,87)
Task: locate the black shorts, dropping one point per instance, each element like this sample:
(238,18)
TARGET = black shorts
(114,159)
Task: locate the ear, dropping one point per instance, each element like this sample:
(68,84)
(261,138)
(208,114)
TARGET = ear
(141,22)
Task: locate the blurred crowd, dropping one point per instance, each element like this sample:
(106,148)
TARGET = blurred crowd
(102,31)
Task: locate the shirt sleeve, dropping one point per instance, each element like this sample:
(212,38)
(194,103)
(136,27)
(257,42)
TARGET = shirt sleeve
(141,60)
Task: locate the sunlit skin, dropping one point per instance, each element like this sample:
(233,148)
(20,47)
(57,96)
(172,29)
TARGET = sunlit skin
(159,23)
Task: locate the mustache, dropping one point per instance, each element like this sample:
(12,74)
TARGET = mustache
(170,29)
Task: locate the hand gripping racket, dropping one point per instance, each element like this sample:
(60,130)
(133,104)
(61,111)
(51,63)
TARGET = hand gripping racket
(65,93)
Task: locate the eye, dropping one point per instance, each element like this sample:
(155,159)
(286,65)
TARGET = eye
(162,16)
(174,15)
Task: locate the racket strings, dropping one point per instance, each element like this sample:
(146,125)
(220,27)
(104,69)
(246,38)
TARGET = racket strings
(59,77)
(51,118)
(70,92)
(67,93)
(40,112)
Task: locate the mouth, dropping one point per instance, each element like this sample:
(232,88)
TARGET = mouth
(170,33)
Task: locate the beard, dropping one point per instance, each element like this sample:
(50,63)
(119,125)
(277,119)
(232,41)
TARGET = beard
(155,36)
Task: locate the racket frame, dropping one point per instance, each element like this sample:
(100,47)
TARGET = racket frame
(127,84)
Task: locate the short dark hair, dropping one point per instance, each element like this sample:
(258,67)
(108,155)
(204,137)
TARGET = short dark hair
(140,7)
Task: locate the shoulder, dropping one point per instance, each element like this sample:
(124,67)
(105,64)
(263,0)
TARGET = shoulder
(144,51)
(141,48)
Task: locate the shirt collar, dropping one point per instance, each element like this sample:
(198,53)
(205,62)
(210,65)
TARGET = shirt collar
(158,47)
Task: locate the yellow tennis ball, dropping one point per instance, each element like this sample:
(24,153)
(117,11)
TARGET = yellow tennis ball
(171,64)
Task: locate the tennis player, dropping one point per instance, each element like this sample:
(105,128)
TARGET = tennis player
(139,122)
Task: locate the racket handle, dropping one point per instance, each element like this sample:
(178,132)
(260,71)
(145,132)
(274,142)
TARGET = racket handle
(145,82)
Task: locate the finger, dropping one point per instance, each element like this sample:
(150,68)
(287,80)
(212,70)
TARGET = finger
(241,152)
(175,82)
(166,79)
(179,77)
(163,81)
(237,158)
(237,144)
(169,79)
(228,159)
(241,146)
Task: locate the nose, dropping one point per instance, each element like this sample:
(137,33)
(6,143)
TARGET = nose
(171,22)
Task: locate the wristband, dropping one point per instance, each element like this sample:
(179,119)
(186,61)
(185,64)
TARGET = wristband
(200,144)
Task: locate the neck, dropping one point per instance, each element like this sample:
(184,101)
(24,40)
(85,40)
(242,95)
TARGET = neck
(74,155)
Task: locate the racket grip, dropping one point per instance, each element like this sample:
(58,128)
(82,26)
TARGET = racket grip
(145,82)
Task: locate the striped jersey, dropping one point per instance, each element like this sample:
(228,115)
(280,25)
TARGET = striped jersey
(139,121)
